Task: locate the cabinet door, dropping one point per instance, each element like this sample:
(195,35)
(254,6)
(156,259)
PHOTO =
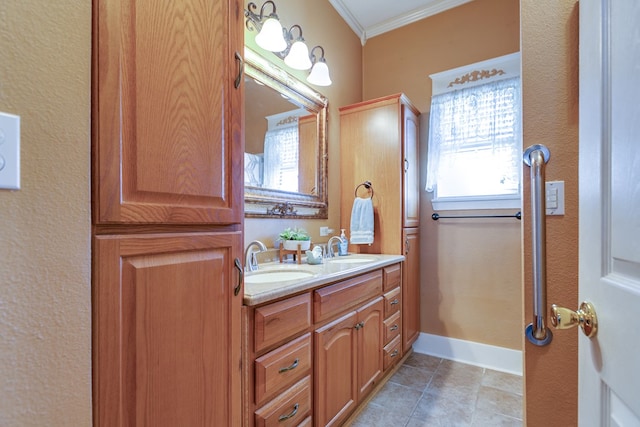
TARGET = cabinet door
(167,119)
(410,288)
(167,330)
(370,336)
(411,176)
(335,370)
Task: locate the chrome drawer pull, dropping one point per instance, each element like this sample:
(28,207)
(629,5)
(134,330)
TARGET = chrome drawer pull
(395,301)
(294,365)
(359,325)
(393,328)
(394,353)
(292,414)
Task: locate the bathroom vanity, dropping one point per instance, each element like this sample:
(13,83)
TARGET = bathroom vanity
(317,339)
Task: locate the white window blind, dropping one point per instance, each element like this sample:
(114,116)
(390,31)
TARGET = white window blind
(474,156)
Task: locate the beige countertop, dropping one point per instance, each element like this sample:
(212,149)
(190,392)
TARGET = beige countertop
(259,288)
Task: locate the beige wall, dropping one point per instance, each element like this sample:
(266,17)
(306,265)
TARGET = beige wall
(321,25)
(550,93)
(471,271)
(45,274)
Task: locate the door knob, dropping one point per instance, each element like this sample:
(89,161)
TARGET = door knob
(563,318)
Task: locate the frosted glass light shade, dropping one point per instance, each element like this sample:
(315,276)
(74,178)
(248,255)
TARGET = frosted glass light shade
(298,57)
(319,74)
(270,36)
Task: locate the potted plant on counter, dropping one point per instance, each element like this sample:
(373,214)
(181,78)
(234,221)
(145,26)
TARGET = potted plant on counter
(291,237)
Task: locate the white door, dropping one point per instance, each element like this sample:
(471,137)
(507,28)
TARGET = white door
(609,364)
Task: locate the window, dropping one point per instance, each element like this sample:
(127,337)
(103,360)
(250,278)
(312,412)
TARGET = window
(474,157)
(281,158)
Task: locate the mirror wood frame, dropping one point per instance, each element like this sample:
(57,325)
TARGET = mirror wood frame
(269,203)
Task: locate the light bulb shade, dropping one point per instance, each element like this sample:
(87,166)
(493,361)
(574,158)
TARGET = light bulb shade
(270,36)
(319,74)
(298,57)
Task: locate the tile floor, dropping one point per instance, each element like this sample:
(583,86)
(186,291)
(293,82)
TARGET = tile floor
(429,391)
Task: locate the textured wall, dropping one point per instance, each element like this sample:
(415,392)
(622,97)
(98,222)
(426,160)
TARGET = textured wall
(550,93)
(471,275)
(45,293)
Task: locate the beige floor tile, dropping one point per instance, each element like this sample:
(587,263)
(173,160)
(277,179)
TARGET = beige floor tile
(431,392)
(502,381)
(378,416)
(500,402)
(438,407)
(397,398)
(415,378)
(423,361)
(489,419)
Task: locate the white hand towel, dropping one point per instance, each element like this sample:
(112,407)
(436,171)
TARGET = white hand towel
(362,222)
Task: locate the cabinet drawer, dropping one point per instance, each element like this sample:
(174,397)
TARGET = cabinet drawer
(392,352)
(392,301)
(276,322)
(288,409)
(282,367)
(392,276)
(334,299)
(392,327)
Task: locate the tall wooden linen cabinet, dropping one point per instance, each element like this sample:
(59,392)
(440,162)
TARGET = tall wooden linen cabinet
(379,143)
(167,212)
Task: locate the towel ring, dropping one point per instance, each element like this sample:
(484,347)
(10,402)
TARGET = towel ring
(367,185)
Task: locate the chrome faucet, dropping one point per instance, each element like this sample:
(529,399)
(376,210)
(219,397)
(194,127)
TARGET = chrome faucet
(251,261)
(331,243)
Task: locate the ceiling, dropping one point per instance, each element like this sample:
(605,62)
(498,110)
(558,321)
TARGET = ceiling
(369,18)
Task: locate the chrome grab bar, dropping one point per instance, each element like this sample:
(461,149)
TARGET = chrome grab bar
(535,157)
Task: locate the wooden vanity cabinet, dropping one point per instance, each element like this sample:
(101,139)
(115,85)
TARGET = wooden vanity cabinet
(383,136)
(327,344)
(167,212)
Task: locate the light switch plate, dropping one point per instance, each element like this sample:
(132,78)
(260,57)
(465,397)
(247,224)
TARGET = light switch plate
(9,151)
(554,193)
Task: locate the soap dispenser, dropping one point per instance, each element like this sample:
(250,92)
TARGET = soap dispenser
(343,246)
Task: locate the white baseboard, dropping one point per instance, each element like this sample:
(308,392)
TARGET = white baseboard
(483,355)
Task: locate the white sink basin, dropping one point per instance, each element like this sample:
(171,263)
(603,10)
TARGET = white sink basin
(275,276)
(351,260)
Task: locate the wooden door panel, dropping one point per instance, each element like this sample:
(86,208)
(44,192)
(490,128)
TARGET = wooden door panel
(411,177)
(167,326)
(335,366)
(370,346)
(411,288)
(167,119)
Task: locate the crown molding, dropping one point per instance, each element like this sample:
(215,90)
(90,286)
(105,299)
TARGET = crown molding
(432,8)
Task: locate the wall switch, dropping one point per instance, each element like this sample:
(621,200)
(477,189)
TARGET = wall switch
(325,231)
(554,191)
(9,151)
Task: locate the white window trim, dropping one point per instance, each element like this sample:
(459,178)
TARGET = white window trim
(506,67)
(491,70)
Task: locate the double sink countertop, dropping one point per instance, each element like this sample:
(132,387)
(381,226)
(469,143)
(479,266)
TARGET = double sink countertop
(275,280)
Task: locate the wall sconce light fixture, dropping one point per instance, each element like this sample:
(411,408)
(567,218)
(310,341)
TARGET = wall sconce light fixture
(288,44)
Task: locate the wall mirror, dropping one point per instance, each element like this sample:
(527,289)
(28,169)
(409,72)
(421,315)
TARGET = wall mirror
(285,144)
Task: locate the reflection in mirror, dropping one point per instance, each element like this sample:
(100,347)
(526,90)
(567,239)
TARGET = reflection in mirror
(285,144)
